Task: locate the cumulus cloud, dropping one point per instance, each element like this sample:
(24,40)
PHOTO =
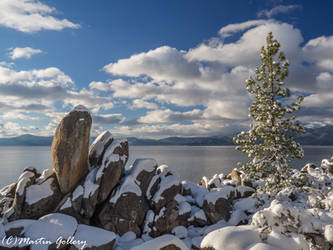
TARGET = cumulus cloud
(280,9)
(166,116)
(108,119)
(26,52)
(209,80)
(320,52)
(31,16)
(163,63)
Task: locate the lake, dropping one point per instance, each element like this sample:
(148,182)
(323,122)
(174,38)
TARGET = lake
(189,162)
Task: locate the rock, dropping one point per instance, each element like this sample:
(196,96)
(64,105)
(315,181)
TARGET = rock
(17,227)
(9,190)
(46,174)
(92,238)
(26,179)
(126,209)
(143,171)
(165,242)
(90,194)
(98,147)
(244,191)
(112,168)
(51,228)
(41,199)
(236,176)
(236,238)
(70,147)
(217,206)
(305,169)
(166,219)
(198,218)
(168,188)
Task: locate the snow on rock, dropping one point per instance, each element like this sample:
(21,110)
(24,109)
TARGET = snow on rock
(80,108)
(2,231)
(47,173)
(235,238)
(247,204)
(90,187)
(184,208)
(35,193)
(77,192)
(25,179)
(98,148)
(180,232)
(329,233)
(140,165)
(261,246)
(17,227)
(93,238)
(162,242)
(225,192)
(295,242)
(51,227)
(128,186)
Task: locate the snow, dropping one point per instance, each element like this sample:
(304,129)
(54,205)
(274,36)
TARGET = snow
(51,227)
(166,183)
(67,204)
(261,246)
(99,143)
(161,242)
(236,238)
(109,157)
(89,186)
(23,180)
(80,108)
(329,233)
(152,182)
(128,186)
(180,232)
(45,174)
(91,237)
(18,223)
(291,243)
(246,204)
(77,192)
(225,192)
(35,193)
(183,208)
(2,231)
(200,215)
(139,165)
(129,236)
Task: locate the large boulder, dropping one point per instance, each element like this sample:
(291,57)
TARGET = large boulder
(98,148)
(70,148)
(126,209)
(26,179)
(40,199)
(112,168)
(217,204)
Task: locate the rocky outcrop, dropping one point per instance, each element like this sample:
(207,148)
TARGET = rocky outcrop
(70,148)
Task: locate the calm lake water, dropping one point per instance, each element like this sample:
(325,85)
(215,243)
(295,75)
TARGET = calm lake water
(190,162)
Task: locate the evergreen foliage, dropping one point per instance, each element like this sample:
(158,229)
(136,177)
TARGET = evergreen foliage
(270,141)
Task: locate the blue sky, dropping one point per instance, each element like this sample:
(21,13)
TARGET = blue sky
(155,68)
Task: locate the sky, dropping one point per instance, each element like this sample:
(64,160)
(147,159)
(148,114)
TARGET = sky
(155,68)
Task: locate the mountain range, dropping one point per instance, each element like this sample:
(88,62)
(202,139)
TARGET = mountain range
(313,136)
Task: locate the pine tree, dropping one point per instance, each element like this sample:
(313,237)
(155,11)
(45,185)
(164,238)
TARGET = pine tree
(270,141)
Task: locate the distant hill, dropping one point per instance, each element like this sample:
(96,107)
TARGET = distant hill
(314,136)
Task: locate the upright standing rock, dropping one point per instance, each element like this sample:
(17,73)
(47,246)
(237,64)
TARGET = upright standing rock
(70,148)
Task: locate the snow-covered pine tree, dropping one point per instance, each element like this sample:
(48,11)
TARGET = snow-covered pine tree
(270,141)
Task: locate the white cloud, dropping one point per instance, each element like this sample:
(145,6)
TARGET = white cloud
(280,9)
(102,86)
(163,63)
(245,51)
(26,52)
(230,29)
(320,52)
(140,103)
(31,16)
(166,116)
